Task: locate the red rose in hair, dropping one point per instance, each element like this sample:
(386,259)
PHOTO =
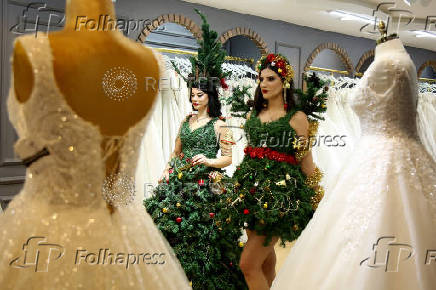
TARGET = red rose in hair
(270,57)
(223,84)
(281,64)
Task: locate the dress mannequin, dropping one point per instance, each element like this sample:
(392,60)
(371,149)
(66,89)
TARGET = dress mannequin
(71,145)
(81,58)
(385,191)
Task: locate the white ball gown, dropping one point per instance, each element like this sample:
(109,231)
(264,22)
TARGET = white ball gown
(376,229)
(57,233)
(170,108)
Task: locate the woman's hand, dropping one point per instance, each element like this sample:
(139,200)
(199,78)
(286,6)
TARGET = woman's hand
(201,159)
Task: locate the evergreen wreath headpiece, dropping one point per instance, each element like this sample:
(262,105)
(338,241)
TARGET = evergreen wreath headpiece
(280,65)
(206,65)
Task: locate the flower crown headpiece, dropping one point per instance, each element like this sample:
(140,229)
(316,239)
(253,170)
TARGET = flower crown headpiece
(284,69)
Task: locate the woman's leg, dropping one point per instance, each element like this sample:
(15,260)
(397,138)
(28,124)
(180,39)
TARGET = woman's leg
(253,258)
(269,267)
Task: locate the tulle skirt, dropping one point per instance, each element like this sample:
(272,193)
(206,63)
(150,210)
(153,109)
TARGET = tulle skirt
(376,229)
(61,246)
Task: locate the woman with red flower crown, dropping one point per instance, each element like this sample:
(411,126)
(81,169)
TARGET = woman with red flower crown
(275,188)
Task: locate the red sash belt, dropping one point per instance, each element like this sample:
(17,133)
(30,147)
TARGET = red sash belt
(265,152)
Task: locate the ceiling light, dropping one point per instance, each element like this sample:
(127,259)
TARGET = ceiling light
(351,16)
(424,33)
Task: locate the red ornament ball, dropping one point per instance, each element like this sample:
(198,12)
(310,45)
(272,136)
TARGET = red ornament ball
(253,190)
(246,211)
(212,215)
(201,182)
(179,220)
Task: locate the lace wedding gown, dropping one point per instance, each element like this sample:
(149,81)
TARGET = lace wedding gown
(171,106)
(336,136)
(57,233)
(427,121)
(377,227)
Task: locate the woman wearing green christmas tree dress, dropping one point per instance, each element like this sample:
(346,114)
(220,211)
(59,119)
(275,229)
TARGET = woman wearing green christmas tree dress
(186,201)
(275,188)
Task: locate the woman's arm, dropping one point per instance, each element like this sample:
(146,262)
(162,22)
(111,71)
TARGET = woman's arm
(301,126)
(313,175)
(225,138)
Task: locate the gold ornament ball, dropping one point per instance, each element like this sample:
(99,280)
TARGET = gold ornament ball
(228,220)
(178,204)
(262,222)
(241,195)
(164,210)
(241,244)
(179,176)
(265,205)
(295,227)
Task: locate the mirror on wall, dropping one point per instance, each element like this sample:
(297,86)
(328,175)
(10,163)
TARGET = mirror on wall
(364,62)
(241,46)
(172,36)
(429,72)
(328,61)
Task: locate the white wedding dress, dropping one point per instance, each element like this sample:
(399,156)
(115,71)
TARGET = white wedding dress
(336,136)
(57,233)
(376,229)
(427,121)
(171,106)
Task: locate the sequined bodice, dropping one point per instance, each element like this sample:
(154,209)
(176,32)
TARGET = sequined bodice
(74,171)
(277,135)
(385,99)
(202,140)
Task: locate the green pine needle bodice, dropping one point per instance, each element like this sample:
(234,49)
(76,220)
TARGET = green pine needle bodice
(277,135)
(201,140)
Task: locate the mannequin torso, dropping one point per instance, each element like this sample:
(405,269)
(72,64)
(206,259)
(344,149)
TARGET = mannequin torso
(80,61)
